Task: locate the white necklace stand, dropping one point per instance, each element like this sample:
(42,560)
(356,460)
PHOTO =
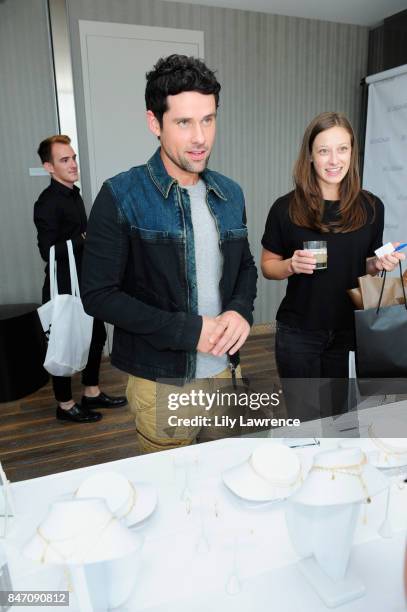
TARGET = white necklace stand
(322,518)
(329,531)
(83,535)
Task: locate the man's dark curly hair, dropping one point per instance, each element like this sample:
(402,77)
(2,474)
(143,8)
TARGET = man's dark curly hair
(173,75)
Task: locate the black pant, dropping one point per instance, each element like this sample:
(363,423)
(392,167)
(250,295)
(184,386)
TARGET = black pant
(322,353)
(313,368)
(90,375)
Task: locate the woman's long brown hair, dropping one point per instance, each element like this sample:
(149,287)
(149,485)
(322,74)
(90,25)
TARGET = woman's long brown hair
(307,204)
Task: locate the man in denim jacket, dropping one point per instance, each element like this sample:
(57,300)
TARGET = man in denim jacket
(167,260)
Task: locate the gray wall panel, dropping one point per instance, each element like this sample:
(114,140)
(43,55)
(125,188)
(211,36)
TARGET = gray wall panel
(27,114)
(276,74)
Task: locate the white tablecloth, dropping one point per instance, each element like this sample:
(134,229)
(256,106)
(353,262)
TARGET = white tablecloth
(189,553)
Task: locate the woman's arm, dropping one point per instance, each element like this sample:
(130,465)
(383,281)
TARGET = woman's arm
(275,267)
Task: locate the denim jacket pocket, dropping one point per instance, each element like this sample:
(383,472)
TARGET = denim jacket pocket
(236,234)
(155,236)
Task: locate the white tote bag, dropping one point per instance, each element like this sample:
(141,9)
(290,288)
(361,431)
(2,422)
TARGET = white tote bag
(68,327)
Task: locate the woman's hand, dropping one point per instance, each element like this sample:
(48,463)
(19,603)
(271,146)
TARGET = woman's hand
(389,262)
(303,262)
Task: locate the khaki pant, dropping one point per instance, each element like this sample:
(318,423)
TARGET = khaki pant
(142,398)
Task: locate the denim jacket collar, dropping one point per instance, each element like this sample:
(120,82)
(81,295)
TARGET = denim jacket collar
(207,177)
(163,181)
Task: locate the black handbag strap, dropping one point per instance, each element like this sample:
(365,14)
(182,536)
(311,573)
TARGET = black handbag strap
(383,275)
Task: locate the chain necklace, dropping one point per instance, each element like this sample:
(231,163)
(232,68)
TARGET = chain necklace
(133,501)
(278,482)
(387,449)
(51,544)
(355,470)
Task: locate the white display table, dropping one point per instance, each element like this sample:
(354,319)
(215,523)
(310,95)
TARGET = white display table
(200,534)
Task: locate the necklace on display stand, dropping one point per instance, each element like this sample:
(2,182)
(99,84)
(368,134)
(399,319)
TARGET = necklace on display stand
(92,553)
(389,450)
(322,517)
(276,481)
(271,473)
(51,544)
(133,501)
(355,470)
(74,572)
(391,454)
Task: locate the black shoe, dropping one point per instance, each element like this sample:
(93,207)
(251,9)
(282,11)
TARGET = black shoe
(77,414)
(103,401)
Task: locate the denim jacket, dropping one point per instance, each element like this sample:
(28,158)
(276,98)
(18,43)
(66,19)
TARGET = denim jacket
(139,274)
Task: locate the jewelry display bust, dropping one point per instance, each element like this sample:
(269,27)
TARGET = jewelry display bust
(383,448)
(273,471)
(99,551)
(322,517)
(340,476)
(80,531)
(130,502)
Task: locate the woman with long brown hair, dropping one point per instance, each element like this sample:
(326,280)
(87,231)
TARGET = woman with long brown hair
(315,321)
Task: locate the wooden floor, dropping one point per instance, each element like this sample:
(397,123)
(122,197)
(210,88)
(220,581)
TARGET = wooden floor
(33,443)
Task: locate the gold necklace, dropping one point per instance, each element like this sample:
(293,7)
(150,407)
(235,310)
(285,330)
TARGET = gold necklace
(387,449)
(133,500)
(275,481)
(50,544)
(347,470)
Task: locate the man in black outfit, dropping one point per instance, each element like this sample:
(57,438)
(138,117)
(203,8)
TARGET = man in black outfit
(59,215)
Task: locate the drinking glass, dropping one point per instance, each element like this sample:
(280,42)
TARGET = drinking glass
(319,250)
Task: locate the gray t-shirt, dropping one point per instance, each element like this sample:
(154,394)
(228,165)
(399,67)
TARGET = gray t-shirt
(208,262)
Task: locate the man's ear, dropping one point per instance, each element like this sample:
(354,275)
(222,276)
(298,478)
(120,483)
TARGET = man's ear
(48,167)
(153,123)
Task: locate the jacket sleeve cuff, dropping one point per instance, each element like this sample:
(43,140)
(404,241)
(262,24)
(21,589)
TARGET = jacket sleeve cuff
(189,333)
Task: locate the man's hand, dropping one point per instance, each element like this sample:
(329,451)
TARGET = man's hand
(211,331)
(235,331)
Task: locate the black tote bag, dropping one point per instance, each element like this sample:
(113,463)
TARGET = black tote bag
(381,339)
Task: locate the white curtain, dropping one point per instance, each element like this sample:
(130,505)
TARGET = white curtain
(385,165)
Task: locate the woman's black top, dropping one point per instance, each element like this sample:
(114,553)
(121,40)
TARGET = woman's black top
(319,300)
(59,215)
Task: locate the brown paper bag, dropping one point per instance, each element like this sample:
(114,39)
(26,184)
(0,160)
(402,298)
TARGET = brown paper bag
(368,293)
(371,286)
(356,297)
